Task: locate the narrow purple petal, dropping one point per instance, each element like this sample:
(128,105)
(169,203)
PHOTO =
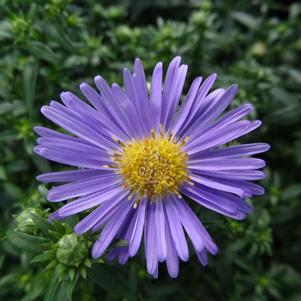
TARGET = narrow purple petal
(156,96)
(227,164)
(101,120)
(216,184)
(169,86)
(211,200)
(192,229)
(214,109)
(99,214)
(130,90)
(75,126)
(197,103)
(81,187)
(115,106)
(176,95)
(111,228)
(76,148)
(68,158)
(202,256)
(150,245)
(231,152)
(172,259)
(235,174)
(141,92)
(89,201)
(187,213)
(176,230)
(93,97)
(135,239)
(185,108)
(218,137)
(126,105)
(160,230)
(71,175)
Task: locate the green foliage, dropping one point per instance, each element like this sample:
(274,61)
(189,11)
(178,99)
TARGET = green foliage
(51,46)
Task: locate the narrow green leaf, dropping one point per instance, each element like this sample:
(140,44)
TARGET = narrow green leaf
(26,242)
(29,85)
(112,279)
(46,256)
(42,51)
(41,223)
(53,287)
(5,30)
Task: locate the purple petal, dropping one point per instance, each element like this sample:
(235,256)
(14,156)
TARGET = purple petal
(216,184)
(224,203)
(68,158)
(234,174)
(111,228)
(76,148)
(115,107)
(71,175)
(172,259)
(160,230)
(197,104)
(185,108)
(231,152)
(129,83)
(89,201)
(202,256)
(218,137)
(135,239)
(191,228)
(150,245)
(176,95)
(81,187)
(100,121)
(227,164)
(176,230)
(126,105)
(169,86)
(211,200)
(228,118)
(156,96)
(199,230)
(75,126)
(100,213)
(93,97)
(214,109)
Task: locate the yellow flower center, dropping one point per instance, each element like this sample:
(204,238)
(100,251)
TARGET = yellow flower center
(154,166)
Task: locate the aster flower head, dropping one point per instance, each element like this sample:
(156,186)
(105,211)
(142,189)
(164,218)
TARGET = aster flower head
(138,154)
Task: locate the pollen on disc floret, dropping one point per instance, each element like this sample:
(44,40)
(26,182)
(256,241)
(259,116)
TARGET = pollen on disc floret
(154,166)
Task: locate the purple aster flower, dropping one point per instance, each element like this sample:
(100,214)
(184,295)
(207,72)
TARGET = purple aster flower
(136,153)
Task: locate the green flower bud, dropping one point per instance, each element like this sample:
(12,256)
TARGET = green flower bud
(72,250)
(25,222)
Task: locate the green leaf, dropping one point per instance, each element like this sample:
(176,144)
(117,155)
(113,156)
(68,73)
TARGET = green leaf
(42,51)
(246,19)
(111,278)
(71,273)
(41,223)
(46,256)
(60,36)
(26,242)
(5,30)
(29,85)
(53,287)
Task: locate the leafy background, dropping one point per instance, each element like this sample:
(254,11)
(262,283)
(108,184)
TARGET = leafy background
(51,46)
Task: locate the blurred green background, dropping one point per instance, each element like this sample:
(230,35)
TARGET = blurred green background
(51,46)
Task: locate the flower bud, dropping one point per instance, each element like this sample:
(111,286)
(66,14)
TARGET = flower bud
(72,250)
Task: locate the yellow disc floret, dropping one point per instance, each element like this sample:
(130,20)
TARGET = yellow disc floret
(154,166)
